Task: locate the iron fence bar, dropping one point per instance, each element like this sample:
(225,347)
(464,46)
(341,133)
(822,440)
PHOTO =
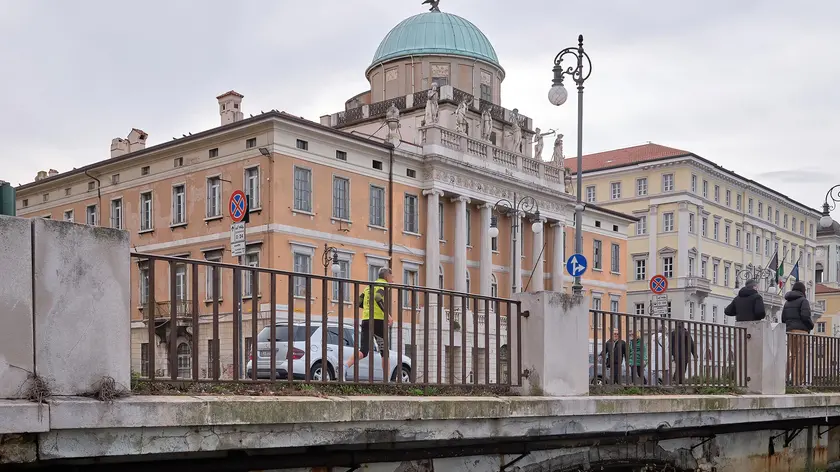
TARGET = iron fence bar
(498,313)
(307,303)
(386,336)
(487,342)
(463,322)
(150,298)
(426,300)
(339,374)
(357,338)
(290,333)
(450,356)
(217,362)
(439,359)
(272,330)
(324,307)
(412,372)
(173,322)
(255,311)
(195,326)
(510,341)
(475,361)
(237,316)
(399,334)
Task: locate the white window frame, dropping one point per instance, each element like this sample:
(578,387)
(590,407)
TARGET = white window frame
(668,266)
(615,190)
(590,194)
(95,215)
(667,182)
(307,253)
(345,263)
(377,213)
(641,226)
(250,259)
(213,200)
(69,215)
(302,197)
(412,225)
(641,187)
(251,183)
(640,268)
(341,203)
(668,222)
(179,208)
(117,220)
(615,258)
(212,256)
(147,222)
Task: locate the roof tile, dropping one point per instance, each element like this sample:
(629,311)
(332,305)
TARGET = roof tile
(625,156)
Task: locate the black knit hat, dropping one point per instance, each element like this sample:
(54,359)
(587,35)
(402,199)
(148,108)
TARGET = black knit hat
(799,286)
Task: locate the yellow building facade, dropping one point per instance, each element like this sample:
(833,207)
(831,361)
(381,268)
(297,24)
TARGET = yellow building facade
(705,228)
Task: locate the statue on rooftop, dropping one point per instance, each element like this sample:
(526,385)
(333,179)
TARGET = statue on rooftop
(392,120)
(461,124)
(558,157)
(432,105)
(567,180)
(516,131)
(433,4)
(538,142)
(486,124)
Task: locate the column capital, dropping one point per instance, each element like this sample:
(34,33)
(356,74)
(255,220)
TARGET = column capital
(541,219)
(433,191)
(653,209)
(483,205)
(558,224)
(461,198)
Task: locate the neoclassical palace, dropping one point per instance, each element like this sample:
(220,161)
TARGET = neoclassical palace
(408,175)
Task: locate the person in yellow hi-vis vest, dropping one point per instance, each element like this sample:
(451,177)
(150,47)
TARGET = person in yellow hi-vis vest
(373,306)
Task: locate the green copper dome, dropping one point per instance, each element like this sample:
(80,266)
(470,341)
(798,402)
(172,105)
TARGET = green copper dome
(432,33)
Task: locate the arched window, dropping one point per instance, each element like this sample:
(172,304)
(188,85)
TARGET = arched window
(494,286)
(184,361)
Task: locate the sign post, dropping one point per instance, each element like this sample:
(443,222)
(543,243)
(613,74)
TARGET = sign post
(238,206)
(659,285)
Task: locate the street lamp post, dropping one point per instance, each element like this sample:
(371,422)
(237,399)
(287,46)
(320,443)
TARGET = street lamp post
(557,95)
(832,195)
(525,205)
(331,260)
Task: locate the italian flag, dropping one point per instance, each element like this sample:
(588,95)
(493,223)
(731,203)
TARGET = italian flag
(780,274)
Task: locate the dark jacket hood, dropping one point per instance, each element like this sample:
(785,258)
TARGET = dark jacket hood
(794,295)
(747,292)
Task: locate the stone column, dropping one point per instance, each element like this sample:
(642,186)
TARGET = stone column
(516,252)
(460,248)
(432,237)
(537,280)
(558,264)
(653,232)
(699,231)
(486,267)
(682,239)
(767,354)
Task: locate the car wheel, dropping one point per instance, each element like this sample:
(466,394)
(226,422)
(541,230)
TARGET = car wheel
(598,381)
(404,372)
(316,372)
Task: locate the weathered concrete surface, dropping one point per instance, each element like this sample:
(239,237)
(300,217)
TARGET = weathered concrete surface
(17,351)
(82,315)
(21,416)
(767,354)
(152,425)
(557,328)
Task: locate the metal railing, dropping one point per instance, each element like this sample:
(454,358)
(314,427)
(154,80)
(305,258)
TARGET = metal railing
(436,337)
(813,361)
(651,351)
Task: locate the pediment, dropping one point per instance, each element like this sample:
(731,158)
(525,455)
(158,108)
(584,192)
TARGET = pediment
(667,250)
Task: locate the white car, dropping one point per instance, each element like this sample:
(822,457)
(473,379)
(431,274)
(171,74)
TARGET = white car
(316,362)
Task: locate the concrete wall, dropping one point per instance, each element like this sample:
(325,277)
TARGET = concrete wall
(65,301)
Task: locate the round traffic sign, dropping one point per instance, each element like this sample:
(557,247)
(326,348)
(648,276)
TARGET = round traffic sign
(658,284)
(576,265)
(237,206)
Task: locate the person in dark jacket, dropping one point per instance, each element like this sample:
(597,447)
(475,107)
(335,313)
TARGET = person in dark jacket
(747,305)
(682,350)
(615,351)
(796,315)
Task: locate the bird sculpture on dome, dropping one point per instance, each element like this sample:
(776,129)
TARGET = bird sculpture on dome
(433,4)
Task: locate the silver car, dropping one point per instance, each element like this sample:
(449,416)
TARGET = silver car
(317,364)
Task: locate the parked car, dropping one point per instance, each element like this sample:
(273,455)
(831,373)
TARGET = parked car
(319,367)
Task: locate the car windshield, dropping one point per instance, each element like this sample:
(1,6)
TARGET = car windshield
(282,332)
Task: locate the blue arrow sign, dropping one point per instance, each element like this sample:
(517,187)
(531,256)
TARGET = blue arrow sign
(576,265)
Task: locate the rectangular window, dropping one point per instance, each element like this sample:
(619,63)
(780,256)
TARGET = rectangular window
(213,153)
(252,187)
(303,189)
(116,214)
(411,173)
(668,183)
(68,215)
(726,268)
(343,273)
(777,217)
(716,231)
(737,237)
(750,206)
(641,269)
(590,194)
(469,229)
(738,199)
(811,230)
(641,187)
(251,259)
(703,266)
(704,226)
(786,221)
(146,211)
(411,222)
(691,310)
(212,256)
(302,145)
(178,162)
(250,143)
(757,244)
(615,261)
(693,183)
(691,223)
(410,278)
(717,193)
(640,309)
(705,189)
(441,221)
(91,186)
(144,359)
(596,254)
(486,93)
(373,271)
(341,198)
(715,266)
(341,155)
(714,313)
(748,241)
(303,265)
(90,213)
(726,229)
(691,266)
(615,190)
(668,222)
(702,312)
(760,210)
(728,197)
(668,266)
(214,197)
(377,206)
(145,170)
(115,179)
(766,247)
(179,205)
(440,74)
(641,226)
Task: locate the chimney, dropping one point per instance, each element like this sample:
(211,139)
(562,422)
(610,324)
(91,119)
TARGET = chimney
(41,175)
(230,107)
(135,141)
(52,172)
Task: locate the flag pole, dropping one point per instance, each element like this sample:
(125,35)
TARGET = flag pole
(791,272)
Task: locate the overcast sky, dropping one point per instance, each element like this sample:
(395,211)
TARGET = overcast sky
(750,85)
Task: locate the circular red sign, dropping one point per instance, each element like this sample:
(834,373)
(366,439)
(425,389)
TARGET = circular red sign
(237,206)
(658,284)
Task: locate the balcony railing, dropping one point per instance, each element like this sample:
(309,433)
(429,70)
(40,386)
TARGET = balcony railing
(490,154)
(698,283)
(284,339)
